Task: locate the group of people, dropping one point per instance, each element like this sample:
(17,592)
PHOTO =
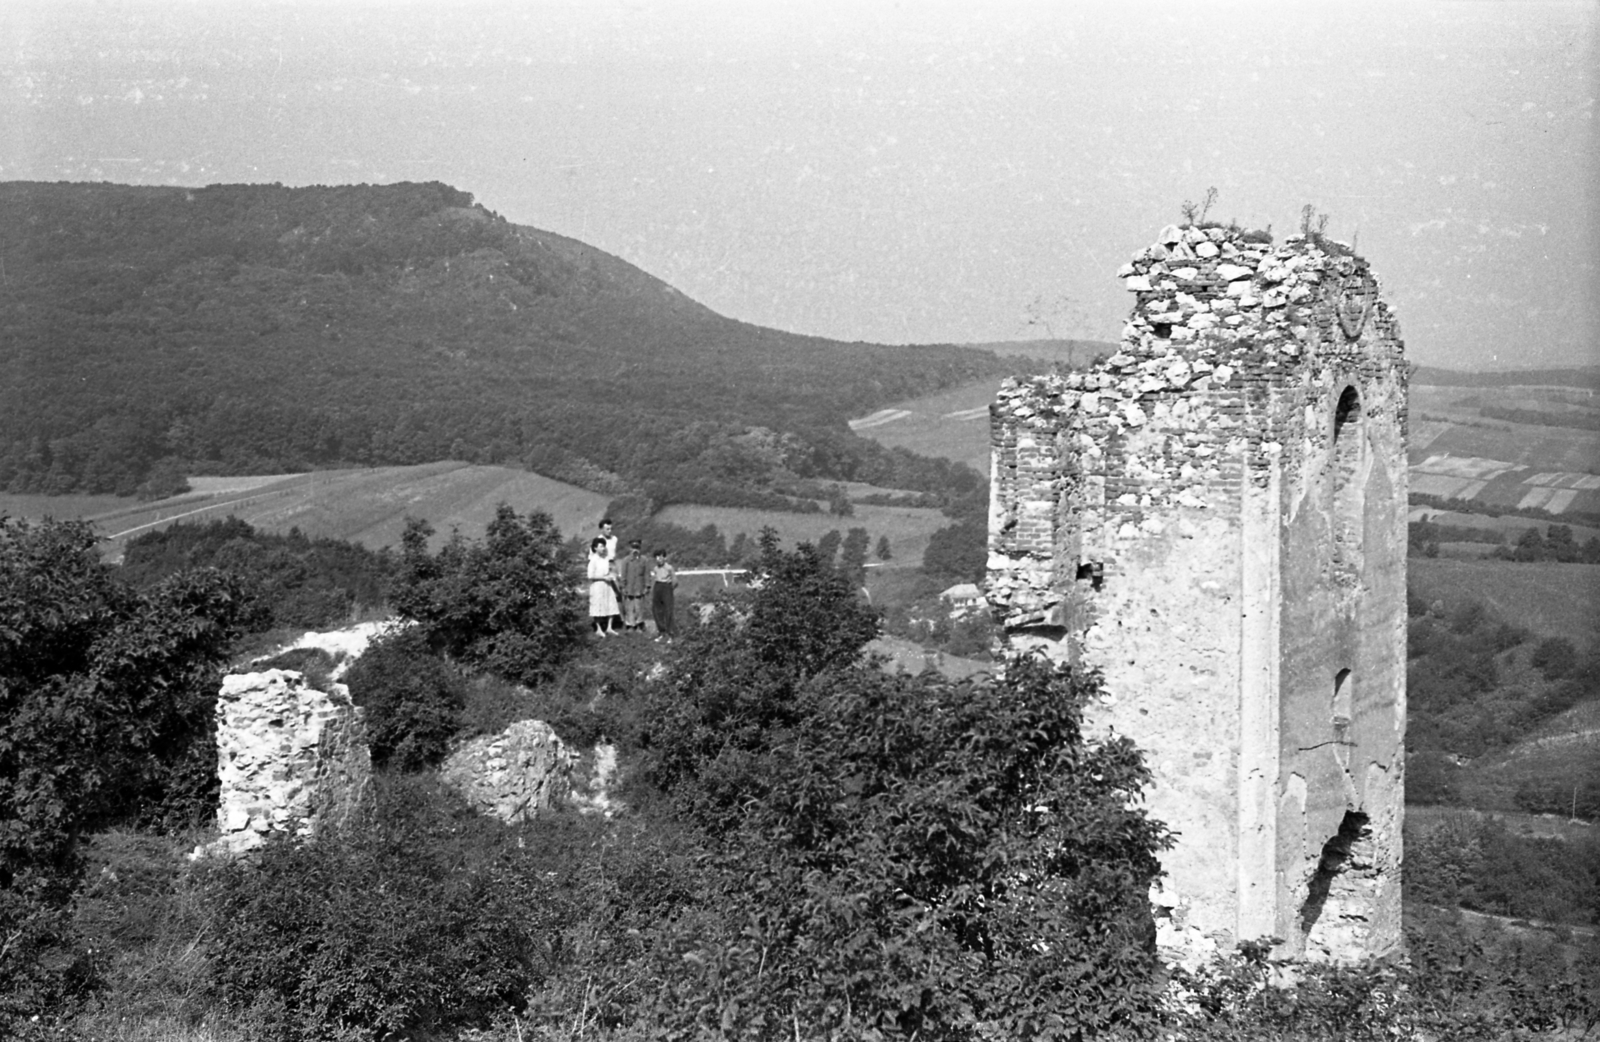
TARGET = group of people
(618,587)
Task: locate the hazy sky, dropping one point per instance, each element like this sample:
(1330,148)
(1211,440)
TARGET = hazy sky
(888,172)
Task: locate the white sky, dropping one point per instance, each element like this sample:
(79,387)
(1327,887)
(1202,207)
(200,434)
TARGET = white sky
(887,172)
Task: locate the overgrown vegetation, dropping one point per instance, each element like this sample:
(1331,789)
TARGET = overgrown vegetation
(815,848)
(506,605)
(1474,861)
(105,714)
(298,582)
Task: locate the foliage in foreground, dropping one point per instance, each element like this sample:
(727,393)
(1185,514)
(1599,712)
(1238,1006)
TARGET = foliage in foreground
(105,715)
(1456,983)
(910,857)
(418,921)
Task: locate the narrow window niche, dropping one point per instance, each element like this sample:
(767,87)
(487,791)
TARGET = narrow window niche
(1349,506)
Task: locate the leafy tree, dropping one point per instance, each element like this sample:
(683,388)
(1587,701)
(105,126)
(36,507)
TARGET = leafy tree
(1530,547)
(890,854)
(883,548)
(1555,657)
(828,546)
(106,713)
(853,556)
(897,856)
(309,583)
(508,604)
(959,552)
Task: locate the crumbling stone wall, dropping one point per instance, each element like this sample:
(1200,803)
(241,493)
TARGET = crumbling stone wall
(1214,518)
(512,775)
(291,759)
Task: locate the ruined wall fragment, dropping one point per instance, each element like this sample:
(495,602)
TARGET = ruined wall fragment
(1215,519)
(291,759)
(512,775)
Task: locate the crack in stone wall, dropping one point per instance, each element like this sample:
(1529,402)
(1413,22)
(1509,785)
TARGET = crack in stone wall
(1214,517)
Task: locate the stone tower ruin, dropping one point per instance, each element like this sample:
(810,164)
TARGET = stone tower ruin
(1215,519)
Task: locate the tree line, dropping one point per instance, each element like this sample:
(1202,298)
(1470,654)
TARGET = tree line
(262,329)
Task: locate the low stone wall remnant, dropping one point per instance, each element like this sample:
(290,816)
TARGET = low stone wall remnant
(291,759)
(512,775)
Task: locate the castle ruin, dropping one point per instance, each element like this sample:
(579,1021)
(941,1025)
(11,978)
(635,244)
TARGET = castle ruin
(1215,519)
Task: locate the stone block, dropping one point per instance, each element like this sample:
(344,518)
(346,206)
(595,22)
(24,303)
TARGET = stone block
(290,759)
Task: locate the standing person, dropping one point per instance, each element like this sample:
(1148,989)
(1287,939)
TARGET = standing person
(634,570)
(664,582)
(602,593)
(611,560)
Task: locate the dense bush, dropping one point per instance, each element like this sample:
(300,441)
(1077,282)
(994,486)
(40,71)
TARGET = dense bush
(959,553)
(1474,861)
(413,699)
(1457,983)
(299,582)
(889,855)
(106,700)
(907,857)
(507,604)
(421,921)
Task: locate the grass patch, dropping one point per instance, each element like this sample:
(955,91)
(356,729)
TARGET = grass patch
(1556,600)
(368,505)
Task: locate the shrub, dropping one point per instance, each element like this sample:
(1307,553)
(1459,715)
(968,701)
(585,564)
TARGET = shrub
(890,855)
(412,697)
(106,700)
(904,855)
(508,604)
(1555,657)
(420,922)
(1456,984)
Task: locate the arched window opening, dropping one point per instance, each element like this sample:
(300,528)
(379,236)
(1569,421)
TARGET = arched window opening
(1348,507)
(1343,699)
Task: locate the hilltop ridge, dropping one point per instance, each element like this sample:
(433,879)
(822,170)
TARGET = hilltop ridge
(256,328)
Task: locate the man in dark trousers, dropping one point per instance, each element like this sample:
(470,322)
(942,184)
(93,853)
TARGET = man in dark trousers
(634,570)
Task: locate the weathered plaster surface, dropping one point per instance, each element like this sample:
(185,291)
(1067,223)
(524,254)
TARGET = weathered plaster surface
(1214,519)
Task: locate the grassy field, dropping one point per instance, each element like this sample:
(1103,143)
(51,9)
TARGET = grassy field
(1557,758)
(1511,527)
(62,508)
(908,528)
(368,506)
(953,424)
(1445,420)
(1558,600)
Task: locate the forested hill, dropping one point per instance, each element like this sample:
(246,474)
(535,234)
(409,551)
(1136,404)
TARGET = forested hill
(256,328)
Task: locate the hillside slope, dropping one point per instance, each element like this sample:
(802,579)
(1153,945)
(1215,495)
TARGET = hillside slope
(257,328)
